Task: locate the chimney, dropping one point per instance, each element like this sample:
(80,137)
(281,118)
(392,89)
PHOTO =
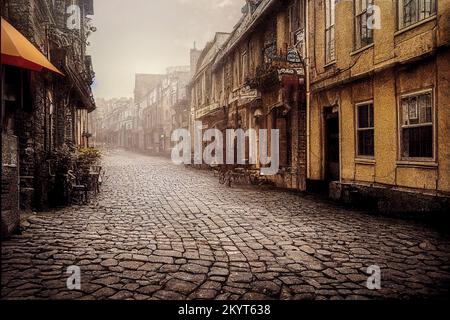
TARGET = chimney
(195,55)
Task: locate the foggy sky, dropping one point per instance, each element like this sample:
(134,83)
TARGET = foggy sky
(146,36)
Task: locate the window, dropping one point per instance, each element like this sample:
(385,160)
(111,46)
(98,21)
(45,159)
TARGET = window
(203,89)
(329,31)
(295,20)
(363,32)
(244,71)
(213,87)
(365,130)
(223,79)
(412,11)
(236,72)
(416,116)
(252,57)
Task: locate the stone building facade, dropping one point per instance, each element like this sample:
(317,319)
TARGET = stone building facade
(360,102)
(145,94)
(40,109)
(202,103)
(379,115)
(255,80)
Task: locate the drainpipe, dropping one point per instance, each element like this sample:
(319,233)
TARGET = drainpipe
(308,91)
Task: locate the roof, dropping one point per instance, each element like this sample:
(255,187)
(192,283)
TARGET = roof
(176,69)
(210,51)
(250,19)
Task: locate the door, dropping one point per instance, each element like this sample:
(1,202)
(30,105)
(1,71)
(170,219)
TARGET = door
(332,147)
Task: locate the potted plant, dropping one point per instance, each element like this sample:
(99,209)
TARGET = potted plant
(86,159)
(60,162)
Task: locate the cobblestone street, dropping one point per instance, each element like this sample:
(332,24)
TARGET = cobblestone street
(159,231)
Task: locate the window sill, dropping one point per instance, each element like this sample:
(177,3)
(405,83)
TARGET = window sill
(361,49)
(329,64)
(365,161)
(418,23)
(7,165)
(418,164)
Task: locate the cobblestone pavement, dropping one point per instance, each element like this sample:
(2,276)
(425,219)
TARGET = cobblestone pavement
(159,231)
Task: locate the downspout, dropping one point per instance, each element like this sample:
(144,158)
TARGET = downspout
(308,92)
(87,129)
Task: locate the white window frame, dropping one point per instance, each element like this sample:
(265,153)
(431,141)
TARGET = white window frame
(203,88)
(291,21)
(419,15)
(213,87)
(295,9)
(244,66)
(330,31)
(358,129)
(401,126)
(358,20)
(236,69)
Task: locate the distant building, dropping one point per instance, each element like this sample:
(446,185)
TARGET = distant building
(144,83)
(161,109)
(114,122)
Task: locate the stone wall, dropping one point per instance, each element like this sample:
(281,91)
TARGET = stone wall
(10,192)
(45,116)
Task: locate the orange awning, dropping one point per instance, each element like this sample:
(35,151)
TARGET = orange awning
(18,51)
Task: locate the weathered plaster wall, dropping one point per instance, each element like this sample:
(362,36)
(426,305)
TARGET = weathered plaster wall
(398,62)
(443,116)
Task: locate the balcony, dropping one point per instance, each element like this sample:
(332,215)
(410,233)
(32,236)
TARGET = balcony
(276,65)
(205,110)
(244,95)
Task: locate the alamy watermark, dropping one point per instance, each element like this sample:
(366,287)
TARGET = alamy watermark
(234,143)
(73,22)
(74,280)
(374,280)
(373,17)
(74,19)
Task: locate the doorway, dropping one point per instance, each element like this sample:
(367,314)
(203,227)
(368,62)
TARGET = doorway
(332,146)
